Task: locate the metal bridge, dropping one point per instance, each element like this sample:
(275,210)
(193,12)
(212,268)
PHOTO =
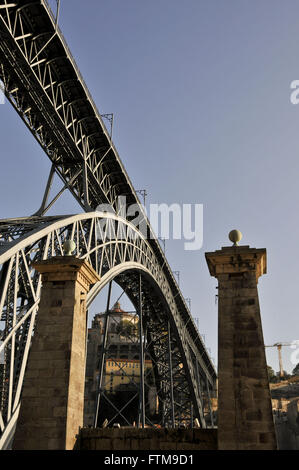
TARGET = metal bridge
(42,82)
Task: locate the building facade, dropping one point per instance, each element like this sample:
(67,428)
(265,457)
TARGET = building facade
(119,397)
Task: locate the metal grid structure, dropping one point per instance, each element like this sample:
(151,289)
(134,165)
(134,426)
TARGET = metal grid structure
(43,84)
(119,252)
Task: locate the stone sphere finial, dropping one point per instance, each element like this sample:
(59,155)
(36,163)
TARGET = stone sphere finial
(235,236)
(68,247)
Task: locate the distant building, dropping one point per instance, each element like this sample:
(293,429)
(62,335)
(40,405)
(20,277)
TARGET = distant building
(121,377)
(285,405)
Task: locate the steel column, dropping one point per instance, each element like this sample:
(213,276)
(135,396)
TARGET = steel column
(171,378)
(103,355)
(141,417)
(210,403)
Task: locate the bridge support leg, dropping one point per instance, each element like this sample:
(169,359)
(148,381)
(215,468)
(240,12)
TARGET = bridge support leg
(103,358)
(171,378)
(209,402)
(141,419)
(198,379)
(245,420)
(53,391)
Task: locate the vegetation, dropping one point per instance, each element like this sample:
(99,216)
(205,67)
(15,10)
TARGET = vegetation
(271,372)
(127,328)
(296,370)
(274,377)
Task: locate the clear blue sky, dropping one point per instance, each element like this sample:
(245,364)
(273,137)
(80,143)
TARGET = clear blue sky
(200,91)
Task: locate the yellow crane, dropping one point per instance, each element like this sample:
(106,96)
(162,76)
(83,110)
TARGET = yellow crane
(279,346)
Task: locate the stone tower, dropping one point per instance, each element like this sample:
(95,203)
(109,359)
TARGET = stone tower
(53,391)
(245,419)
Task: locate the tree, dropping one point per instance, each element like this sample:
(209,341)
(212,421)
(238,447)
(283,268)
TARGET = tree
(127,328)
(285,376)
(273,378)
(271,372)
(296,370)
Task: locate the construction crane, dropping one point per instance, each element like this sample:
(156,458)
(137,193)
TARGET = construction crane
(279,346)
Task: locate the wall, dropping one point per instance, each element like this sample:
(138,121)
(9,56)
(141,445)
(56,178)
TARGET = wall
(146,439)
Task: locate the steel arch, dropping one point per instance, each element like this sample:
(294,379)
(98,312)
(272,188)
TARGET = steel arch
(116,250)
(43,84)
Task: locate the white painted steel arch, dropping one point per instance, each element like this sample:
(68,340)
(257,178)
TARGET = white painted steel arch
(84,157)
(113,246)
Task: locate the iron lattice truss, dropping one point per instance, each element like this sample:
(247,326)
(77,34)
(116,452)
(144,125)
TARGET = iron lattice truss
(165,372)
(42,82)
(173,356)
(117,251)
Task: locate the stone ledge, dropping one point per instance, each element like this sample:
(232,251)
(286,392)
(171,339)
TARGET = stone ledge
(146,439)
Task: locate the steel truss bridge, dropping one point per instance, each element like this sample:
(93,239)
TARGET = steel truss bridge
(43,84)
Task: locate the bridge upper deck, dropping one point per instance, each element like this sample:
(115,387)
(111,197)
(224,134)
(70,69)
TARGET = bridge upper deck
(43,83)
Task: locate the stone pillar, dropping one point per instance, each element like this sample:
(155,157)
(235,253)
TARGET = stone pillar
(53,392)
(245,419)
